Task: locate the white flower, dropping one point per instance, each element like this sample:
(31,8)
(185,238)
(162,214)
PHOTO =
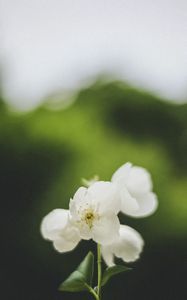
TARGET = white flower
(128,246)
(94,211)
(56,227)
(135,187)
(93,214)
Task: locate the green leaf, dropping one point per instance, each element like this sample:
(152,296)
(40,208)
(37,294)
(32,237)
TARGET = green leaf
(81,278)
(111,271)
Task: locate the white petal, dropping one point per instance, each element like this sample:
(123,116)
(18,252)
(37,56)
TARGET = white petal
(107,255)
(68,241)
(129,204)
(77,201)
(147,205)
(106,229)
(121,175)
(139,181)
(54,223)
(80,194)
(61,245)
(127,247)
(84,231)
(130,244)
(104,196)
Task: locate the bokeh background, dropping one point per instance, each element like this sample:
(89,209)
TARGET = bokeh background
(85,88)
(43,156)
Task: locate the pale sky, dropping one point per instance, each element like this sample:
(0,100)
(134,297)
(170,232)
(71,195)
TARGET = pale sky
(52,45)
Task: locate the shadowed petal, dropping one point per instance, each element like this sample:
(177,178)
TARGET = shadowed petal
(68,241)
(148,203)
(128,246)
(107,255)
(129,204)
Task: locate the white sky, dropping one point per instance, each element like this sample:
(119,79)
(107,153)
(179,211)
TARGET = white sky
(52,45)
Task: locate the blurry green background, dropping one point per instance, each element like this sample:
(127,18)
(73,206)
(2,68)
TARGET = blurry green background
(43,156)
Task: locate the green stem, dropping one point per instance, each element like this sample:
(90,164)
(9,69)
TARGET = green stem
(99,271)
(97,293)
(92,291)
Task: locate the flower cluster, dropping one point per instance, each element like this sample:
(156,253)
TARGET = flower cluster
(93,214)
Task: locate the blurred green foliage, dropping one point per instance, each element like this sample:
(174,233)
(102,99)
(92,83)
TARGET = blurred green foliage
(45,153)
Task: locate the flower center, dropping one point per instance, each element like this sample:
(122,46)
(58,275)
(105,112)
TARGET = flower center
(89,216)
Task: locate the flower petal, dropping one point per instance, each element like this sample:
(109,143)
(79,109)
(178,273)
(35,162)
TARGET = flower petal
(107,255)
(105,196)
(147,205)
(77,201)
(80,194)
(84,230)
(54,223)
(122,173)
(128,246)
(129,204)
(106,229)
(61,245)
(139,181)
(68,241)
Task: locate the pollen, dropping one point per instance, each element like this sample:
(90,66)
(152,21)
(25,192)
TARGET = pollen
(89,217)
